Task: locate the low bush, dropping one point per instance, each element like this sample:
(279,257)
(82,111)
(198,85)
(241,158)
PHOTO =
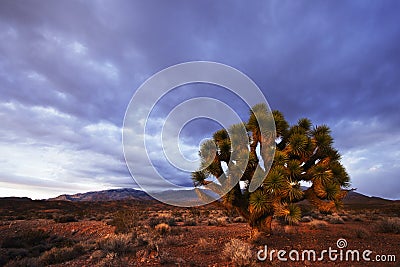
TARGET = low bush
(162,228)
(124,221)
(60,255)
(238,252)
(25,240)
(153,221)
(389,225)
(119,244)
(361,233)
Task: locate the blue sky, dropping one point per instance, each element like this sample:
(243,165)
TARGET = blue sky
(68,70)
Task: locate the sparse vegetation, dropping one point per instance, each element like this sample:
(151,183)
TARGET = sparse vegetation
(60,255)
(162,228)
(119,244)
(238,252)
(361,233)
(190,222)
(26,240)
(389,225)
(125,221)
(93,240)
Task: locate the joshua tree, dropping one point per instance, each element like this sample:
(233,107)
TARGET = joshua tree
(302,153)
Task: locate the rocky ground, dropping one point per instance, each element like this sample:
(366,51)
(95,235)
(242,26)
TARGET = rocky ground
(129,234)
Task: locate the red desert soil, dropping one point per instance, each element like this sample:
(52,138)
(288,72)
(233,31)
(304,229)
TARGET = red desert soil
(186,250)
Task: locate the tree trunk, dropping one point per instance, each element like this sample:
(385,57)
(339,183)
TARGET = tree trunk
(261,227)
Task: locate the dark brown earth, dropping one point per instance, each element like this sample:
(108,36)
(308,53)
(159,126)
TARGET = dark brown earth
(74,234)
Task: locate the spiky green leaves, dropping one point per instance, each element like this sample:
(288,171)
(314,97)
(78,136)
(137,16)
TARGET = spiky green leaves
(321,174)
(298,144)
(294,169)
(220,135)
(223,142)
(293,191)
(198,178)
(258,113)
(208,150)
(280,158)
(275,181)
(289,211)
(329,191)
(340,175)
(260,202)
(294,214)
(281,124)
(305,124)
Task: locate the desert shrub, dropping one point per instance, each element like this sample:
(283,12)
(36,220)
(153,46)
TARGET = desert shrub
(212,222)
(206,213)
(361,233)
(153,221)
(194,212)
(19,253)
(238,252)
(176,213)
(205,246)
(166,258)
(124,221)
(162,228)
(60,255)
(389,225)
(26,239)
(65,219)
(31,262)
(119,244)
(112,259)
(97,255)
(222,221)
(60,241)
(202,243)
(229,213)
(190,222)
(170,221)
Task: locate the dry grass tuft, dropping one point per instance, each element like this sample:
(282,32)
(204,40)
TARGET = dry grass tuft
(389,225)
(162,228)
(238,252)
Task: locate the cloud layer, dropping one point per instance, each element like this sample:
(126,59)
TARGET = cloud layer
(69,69)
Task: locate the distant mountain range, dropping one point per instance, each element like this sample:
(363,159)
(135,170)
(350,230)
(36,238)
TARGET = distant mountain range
(105,195)
(187,195)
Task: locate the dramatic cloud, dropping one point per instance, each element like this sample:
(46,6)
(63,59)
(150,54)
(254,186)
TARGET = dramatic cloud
(68,70)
